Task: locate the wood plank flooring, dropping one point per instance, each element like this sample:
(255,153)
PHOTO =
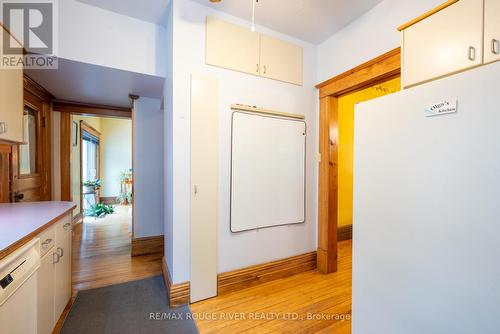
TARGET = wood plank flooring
(305,303)
(101,253)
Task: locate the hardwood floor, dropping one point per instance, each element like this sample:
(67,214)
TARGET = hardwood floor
(285,305)
(101,253)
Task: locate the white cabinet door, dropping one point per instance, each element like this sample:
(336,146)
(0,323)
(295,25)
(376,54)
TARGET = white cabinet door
(444,43)
(231,46)
(63,265)
(280,60)
(46,276)
(11,101)
(491,30)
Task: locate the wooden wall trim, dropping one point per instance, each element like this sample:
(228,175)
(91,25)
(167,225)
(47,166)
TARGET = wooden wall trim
(376,70)
(147,245)
(77,108)
(5,173)
(426,15)
(251,276)
(382,68)
(177,294)
(66,194)
(344,233)
(36,89)
(112,200)
(327,191)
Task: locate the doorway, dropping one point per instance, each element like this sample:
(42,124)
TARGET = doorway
(370,74)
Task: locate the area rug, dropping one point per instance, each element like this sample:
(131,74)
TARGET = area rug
(133,307)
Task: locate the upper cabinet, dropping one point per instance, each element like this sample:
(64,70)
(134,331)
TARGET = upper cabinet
(233,47)
(444,41)
(11,100)
(238,48)
(280,60)
(491,30)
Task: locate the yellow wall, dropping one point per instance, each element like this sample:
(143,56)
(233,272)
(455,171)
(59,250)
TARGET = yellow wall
(346,105)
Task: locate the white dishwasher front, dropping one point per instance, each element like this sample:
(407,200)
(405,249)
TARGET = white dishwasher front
(18,290)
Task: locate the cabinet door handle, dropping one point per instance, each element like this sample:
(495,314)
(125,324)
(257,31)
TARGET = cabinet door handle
(65,226)
(60,252)
(495,46)
(265,69)
(55,258)
(472,53)
(46,242)
(258,68)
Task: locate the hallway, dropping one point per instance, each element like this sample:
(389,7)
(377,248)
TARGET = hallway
(101,253)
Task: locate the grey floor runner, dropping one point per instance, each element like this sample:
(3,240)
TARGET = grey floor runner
(134,307)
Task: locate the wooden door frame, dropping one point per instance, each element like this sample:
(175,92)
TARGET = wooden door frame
(67,109)
(38,99)
(377,70)
(84,126)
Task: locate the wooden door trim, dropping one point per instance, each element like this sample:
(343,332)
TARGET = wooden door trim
(84,126)
(77,108)
(66,142)
(379,69)
(34,88)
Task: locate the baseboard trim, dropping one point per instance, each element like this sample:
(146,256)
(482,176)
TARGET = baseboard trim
(344,233)
(270,271)
(177,294)
(109,200)
(148,245)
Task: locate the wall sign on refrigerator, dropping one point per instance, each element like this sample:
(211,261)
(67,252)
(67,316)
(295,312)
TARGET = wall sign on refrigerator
(447,106)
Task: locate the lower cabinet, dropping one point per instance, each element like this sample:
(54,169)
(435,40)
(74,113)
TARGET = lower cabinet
(54,275)
(63,265)
(46,288)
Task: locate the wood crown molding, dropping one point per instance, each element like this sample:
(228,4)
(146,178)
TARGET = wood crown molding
(426,15)
(78,108)
(177,294)
(378,69)
(36,89)
(148,245)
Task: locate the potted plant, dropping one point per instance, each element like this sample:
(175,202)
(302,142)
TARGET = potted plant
(91,186)
(99,210)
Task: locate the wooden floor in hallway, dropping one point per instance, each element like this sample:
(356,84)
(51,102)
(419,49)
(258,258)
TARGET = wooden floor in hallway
(305,303)
(101,253)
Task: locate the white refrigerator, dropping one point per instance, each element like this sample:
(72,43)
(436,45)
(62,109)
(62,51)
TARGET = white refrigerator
(426,240)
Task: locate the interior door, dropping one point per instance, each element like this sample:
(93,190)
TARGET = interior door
(30,171)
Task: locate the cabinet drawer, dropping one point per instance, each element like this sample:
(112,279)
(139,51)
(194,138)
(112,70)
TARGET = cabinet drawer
(47,240)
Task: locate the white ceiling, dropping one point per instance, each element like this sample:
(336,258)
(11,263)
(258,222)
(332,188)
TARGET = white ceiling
(87,83)
(309,20)
(153,11)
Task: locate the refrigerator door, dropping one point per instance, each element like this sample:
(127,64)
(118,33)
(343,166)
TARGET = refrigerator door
(427,209)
